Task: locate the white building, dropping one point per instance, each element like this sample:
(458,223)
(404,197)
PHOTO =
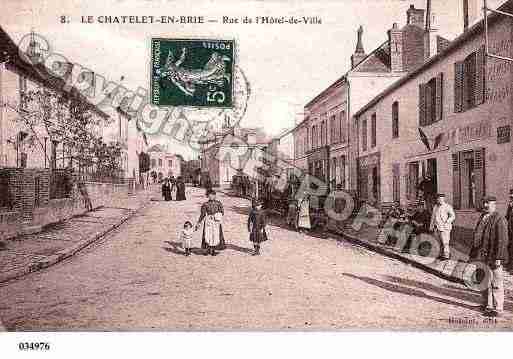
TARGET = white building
(164,164)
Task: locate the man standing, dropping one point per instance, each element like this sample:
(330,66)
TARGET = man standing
(509,219)
(441,223)
(491,248)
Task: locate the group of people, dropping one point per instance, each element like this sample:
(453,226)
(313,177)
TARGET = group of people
(491,246)
(210,221)
(172,187)
(298,216)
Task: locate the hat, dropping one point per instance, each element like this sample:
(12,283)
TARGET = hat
(440,195)
(490,199)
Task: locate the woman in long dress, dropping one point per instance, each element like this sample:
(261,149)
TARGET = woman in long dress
(303,217)
(180,189)
(166,190)
(172,187)
(211,216)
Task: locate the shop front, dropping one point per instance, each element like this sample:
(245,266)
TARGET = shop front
(319,164)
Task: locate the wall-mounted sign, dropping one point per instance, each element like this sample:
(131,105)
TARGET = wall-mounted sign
(476,131)
(503,134)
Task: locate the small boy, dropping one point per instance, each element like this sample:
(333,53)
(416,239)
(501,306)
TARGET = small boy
(186,237)
(257,223)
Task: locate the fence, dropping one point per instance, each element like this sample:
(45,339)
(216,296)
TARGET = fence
(61,183)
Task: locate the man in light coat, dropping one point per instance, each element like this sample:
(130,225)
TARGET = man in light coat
(441,223)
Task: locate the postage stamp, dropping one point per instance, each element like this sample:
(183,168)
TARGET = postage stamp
(192,72)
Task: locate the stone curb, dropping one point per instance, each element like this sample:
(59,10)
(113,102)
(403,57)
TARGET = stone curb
(68,252)
(450,270)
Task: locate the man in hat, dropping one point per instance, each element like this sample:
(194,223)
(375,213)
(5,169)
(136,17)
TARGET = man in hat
(491,248)
(509,219)
(441,223)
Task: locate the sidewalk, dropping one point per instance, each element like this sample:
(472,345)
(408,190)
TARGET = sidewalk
(30,253)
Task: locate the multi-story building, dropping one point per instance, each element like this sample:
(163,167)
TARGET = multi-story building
(22,145)
(325,136)
(251,143)
(163,163)
(449,118)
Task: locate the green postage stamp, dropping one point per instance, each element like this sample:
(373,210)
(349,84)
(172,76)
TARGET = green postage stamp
(195,73)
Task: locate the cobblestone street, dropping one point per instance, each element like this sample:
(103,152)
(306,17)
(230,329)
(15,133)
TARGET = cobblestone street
(136,278)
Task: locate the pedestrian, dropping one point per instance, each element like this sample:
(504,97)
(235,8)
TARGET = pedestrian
(166,190)
(172,191)
(292,213)
(186,237)
(211,216)
(303,213)
(509,219)
(180,189)
(491,248)
(441,223)
(257,223)
(428,188)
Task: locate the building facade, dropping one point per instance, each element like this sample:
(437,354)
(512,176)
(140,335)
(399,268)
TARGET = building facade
(327,138)
(451,119)
(163,163)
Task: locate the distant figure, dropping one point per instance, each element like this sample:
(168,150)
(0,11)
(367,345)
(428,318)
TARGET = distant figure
(180,189)
(172,182)
(257,223)
(292,214)
(166,190)
(491,248)
(441,223)
(303,215)
(427,187)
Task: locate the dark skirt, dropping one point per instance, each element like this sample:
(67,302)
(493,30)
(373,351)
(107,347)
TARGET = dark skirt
(258,236)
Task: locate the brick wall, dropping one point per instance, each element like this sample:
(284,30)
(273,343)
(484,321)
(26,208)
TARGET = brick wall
(31,207)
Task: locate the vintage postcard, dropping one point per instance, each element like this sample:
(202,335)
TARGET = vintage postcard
(278,166)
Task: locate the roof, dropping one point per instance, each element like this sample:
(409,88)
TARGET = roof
(38,72)
(452,46)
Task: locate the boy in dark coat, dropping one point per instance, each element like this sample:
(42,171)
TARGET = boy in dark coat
(491,248)
(257,222)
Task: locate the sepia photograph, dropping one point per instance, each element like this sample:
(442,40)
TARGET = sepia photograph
(245,168)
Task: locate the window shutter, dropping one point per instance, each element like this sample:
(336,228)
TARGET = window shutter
(479,176)
(479,87)
(458,87)
(456,184)
(422,105)
(439,97)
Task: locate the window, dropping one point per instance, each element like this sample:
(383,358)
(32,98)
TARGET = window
(323,133)
(314,137)
(342,170)
(364,135)
(373,130)
(160,162)
(334,130)
(395,120)
(170,163)
(468,178)
(153,162)
(396,182)
(430,101)
(469,81)
(343,126)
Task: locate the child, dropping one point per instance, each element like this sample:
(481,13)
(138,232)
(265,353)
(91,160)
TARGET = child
(257,223)
(186,237)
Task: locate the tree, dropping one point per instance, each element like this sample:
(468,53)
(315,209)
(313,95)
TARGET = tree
(67,119)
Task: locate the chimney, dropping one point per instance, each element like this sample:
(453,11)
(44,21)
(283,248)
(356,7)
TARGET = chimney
(359,52)
(415,16)
(395,39)
(430,37)
(470,13)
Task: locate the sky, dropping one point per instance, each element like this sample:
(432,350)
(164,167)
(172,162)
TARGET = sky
(286,65)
